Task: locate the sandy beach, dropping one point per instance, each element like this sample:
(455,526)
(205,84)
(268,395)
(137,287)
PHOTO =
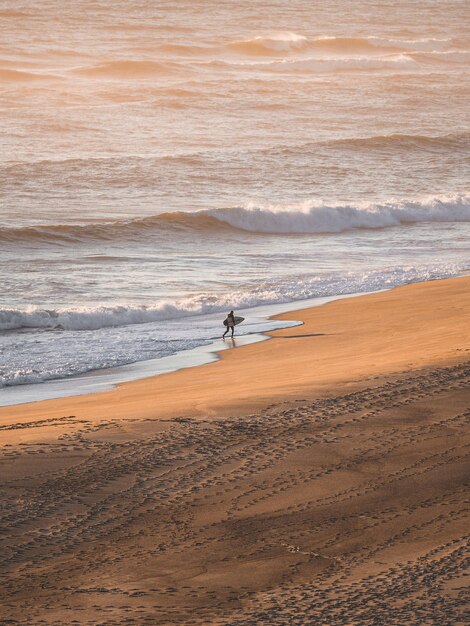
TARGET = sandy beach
(318,477)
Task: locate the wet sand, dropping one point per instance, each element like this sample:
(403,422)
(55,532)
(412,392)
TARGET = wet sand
(318,477)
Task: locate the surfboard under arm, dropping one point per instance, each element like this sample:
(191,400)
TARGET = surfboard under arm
(238,320)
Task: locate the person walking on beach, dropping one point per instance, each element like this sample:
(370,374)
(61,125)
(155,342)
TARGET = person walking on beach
(230,323)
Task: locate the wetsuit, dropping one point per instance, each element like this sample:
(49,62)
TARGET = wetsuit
(230,324)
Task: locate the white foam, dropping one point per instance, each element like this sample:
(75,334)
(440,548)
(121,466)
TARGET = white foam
(313,217)
(104,337)
(290,42)
(94,317)
(282,40)
(425,43)
(324,65)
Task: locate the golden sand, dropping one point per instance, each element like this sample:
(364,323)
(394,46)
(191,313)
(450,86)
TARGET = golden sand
(340,343)
(317,477)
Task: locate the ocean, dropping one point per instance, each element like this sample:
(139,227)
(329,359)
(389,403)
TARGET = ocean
(162,163)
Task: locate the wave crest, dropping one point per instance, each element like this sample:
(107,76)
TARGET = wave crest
(109,231)
(94,317)
(12,75)
(274,44)
(307,217)
(286,42)
(127,69)
(312,218)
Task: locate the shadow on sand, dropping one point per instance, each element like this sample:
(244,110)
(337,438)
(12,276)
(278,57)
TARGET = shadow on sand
(302,336)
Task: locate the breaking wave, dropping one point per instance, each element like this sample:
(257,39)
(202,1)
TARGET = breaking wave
(282,43)
(308,217)
(312,218)
(93,318)
(319,54)
(274,44)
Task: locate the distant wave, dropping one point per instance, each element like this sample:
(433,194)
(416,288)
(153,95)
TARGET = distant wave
(277,51)
(11,75)
(285,42)
(309,64)
(448,142)
(276,43)
(358,63)
(290,51)
(461,57)
(327,53)
(14,13)
(127,69)
(304,218)
(294,46)
(378,44)
(451,143)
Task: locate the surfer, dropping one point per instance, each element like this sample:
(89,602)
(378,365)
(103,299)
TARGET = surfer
(230,323)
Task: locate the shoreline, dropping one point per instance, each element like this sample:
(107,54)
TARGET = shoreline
(106,379)
(319,477)
(189,383)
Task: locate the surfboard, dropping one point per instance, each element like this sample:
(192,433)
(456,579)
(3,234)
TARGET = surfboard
(238,320)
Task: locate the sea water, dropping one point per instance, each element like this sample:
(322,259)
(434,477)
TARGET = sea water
(163,163)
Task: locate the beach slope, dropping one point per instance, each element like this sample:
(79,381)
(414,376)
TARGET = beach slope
(318,477)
